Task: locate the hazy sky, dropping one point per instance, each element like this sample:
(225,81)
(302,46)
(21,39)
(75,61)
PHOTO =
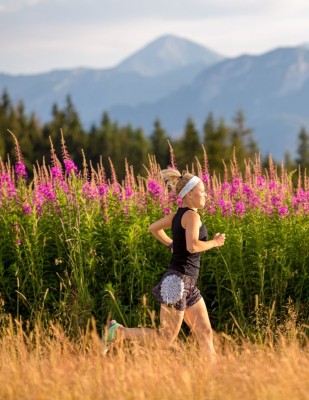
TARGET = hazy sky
(41,35)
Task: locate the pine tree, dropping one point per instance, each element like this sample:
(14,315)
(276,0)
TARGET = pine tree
(5,111)
(242,140)
(215,142)
(103,142)
(188,147)
(288,162)
(303,149)
(158,144)
(139,151)
(67,120)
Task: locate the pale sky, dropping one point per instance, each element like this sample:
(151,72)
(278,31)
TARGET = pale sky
(43,35)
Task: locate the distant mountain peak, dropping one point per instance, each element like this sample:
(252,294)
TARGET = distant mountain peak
(167,53)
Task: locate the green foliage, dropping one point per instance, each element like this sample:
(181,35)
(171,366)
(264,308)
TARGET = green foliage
(223,142)
(108,141)
(72,265)
(189,146)
(264,256)
(79,257)
(158,146)
(303,149)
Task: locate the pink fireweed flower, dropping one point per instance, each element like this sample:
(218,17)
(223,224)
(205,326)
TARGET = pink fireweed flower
(89,191)
(128,192)
(247,190)
(283,211)
(275,201)
(47,191)
(20,170)
(211,208)
(240,208)
(268,208)
(272,185)
(43,194)
(226,207)
(64,186)
(154,187)
(56,173)
(27,210)
(225,186)
(7,187)
(103,189)
(70,167)
(117,190)
(255,202)
(5,178)
(166,210)
(260,181)
(205,177)
(236,184)
(300,200)
(38,198)
(163,200)
(39,210)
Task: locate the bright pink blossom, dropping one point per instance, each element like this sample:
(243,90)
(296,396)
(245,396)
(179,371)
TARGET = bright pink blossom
(20,170)
(70,167)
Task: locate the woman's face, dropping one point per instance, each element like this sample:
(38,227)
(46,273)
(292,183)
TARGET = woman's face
(198,195)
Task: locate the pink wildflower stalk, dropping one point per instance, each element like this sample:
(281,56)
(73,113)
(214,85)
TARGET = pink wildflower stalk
(85,167)
(68,163)
(172,156)
(127,181)
(113,172)
(115,185)
(56,169)
(20,168)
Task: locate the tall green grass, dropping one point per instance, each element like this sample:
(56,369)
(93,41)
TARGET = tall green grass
(72,265)
(78,256)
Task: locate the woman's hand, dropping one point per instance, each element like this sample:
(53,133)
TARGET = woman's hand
(219,238)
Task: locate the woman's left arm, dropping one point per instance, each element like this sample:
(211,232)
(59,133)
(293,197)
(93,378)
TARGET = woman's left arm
(157,229)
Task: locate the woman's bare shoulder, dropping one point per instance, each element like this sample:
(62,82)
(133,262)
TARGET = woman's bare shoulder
(190,217)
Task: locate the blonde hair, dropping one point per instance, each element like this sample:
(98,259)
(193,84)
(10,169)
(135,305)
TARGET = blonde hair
(175,179)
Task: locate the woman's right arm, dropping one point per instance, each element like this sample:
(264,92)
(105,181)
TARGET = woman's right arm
(157,229)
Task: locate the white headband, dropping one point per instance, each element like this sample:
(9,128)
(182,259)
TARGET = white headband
(188,186)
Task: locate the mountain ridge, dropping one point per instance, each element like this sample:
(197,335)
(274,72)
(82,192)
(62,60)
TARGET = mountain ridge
(272,89)
(167,53)
(263,87)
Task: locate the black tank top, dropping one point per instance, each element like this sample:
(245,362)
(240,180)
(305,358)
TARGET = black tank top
(182,260)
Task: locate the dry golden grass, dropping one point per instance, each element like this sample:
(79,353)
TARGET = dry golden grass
(50,366)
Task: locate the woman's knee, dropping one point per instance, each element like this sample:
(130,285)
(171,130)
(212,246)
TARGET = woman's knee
(203,332)
(168,333)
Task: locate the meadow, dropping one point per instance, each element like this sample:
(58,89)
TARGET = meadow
(47,365)
(75,252)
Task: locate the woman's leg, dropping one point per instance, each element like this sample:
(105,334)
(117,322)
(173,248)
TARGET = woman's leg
(170,324)
(136,333)
(197,319)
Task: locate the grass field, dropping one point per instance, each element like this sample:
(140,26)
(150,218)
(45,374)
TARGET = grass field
(48,365)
